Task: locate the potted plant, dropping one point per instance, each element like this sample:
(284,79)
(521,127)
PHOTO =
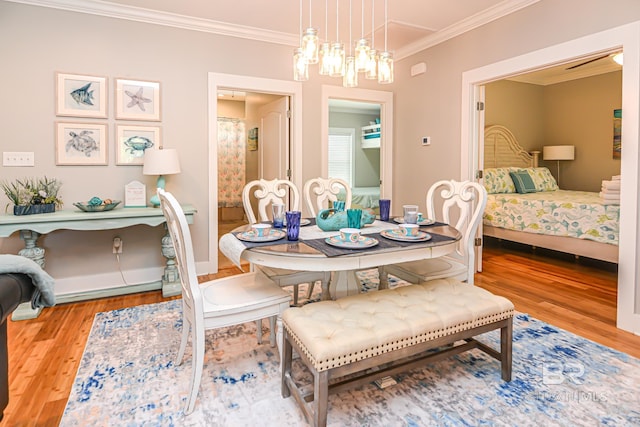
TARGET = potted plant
(33,195)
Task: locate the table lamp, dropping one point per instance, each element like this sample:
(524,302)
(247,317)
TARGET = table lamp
(160,162)
(557,153)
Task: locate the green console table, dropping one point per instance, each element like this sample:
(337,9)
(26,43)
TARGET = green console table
(32,226)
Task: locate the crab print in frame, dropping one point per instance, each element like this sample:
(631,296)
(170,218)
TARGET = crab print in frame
(132,141)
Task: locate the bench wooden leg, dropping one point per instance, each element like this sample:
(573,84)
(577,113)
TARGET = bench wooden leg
(320,398)
(285,362)
(506,336)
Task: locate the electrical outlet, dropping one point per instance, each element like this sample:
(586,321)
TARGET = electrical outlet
(426,140)
(117,245)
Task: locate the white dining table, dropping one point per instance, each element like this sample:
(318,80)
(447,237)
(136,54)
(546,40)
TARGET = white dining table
(299,255)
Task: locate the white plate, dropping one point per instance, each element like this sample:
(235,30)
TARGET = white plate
(363,243)
(400,220)
(250,236)
(396,235)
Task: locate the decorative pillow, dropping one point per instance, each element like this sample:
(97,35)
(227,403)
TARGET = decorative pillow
(523,182)
(497,180)
(543,179)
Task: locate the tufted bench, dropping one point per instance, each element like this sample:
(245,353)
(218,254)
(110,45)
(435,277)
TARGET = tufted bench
(358,339)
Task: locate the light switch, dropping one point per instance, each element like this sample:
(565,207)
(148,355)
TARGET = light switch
(18,158)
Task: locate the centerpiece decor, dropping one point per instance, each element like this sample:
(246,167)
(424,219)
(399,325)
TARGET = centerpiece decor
(33,195)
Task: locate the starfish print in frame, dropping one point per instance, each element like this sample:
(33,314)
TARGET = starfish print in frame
(137,99)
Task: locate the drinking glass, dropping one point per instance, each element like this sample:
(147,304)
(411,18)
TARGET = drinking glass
(410,214)
(277,210)
(385,206)
(354,218)
(293,225)
(338,205)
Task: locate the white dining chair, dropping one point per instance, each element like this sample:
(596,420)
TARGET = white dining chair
(465,199)
(319,192)
(267,192)
(217,303)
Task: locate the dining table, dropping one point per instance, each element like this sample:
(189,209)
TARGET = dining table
(318,250)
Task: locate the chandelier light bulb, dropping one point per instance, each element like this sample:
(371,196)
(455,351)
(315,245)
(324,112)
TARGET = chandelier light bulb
(337,60)
(362,54)
(310,45)
(324,57)
(372,65)
(385,68)
(300,66)
(351,73)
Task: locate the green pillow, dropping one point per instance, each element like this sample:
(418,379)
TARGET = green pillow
(523,182)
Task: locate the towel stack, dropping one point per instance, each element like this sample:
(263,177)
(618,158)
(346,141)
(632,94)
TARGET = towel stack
(610,191)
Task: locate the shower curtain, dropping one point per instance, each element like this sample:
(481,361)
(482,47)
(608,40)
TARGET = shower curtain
(231,162)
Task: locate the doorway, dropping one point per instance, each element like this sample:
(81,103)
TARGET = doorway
(271,90)
(472,122)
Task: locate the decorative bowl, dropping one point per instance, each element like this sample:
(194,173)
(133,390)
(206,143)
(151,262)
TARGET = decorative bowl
(86,207)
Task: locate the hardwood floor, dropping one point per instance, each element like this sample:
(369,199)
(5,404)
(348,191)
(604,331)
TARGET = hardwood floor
(44,353)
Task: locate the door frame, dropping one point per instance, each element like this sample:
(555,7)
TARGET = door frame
(385,99)
(219,81)
(626,37)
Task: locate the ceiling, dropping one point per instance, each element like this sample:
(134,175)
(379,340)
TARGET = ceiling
(412,25)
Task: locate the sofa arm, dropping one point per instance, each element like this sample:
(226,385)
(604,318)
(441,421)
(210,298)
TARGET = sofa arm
(15,288)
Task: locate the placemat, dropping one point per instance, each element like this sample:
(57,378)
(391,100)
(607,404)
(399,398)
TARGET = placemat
(383,245)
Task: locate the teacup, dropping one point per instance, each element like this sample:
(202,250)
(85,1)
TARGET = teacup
(350,235)
(261,230)
(408,230)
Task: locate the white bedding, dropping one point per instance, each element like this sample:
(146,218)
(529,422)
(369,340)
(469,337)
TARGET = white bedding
(577,214)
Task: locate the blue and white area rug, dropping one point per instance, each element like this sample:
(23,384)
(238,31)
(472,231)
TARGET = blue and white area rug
(128,377)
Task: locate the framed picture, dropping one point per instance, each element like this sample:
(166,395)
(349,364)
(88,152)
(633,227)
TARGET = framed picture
(252,139)
(137,100)
(81,96)
(617,133)
(81,144)
(133,141)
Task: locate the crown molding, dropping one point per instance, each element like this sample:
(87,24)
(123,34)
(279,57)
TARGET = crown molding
(131,13)
(138,14)
(488,15)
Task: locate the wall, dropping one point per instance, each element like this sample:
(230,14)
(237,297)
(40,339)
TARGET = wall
(577,112)
(366,161)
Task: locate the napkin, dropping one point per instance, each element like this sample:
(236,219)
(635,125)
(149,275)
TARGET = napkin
(232,248)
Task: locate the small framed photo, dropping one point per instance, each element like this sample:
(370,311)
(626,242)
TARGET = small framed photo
(81,144)
(137,100)
(133,141)
(81,96)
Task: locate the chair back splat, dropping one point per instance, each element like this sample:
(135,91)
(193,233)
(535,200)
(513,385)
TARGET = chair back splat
(268,192)
(319,192)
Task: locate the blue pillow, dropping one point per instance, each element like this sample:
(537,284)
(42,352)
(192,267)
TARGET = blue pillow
(523,182)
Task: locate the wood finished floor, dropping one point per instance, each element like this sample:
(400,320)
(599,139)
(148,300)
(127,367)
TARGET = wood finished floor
(44,353)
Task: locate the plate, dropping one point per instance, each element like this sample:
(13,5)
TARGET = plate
(86,207)
(400,220)
(395,235)
(250,236)
(362,243)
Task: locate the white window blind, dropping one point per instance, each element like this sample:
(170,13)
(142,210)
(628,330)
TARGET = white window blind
(341,154)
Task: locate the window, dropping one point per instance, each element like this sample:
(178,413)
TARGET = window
(341,153)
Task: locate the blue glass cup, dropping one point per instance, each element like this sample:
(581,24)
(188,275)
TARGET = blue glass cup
(385,207)
(338,205)
(293,224)
(277,210)
(354,218)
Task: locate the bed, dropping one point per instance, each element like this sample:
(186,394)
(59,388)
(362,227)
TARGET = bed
(363,197)
(538,213)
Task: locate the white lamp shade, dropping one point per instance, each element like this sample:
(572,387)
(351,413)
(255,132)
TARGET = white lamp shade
(559,152)
(161,162)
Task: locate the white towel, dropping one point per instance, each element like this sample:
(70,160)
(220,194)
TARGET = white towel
(606,196)
(616,177)
(607,191)
(611,202)
(611,185)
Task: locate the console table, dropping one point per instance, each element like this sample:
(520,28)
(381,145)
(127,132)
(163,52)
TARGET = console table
(32,226)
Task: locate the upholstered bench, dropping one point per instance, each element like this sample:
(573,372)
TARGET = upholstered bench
(358,339)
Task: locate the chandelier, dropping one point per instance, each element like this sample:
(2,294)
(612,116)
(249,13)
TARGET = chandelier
(334,60)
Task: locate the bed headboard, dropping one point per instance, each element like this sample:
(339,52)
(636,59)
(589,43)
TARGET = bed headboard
(501,149)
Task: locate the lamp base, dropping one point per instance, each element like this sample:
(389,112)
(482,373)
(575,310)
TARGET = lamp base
(155,200)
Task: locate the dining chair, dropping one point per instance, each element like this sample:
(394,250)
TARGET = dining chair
(217,303)
(266,193)
(318,192)
(465,199)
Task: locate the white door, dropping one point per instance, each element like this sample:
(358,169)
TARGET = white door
(273,140)
(479,130)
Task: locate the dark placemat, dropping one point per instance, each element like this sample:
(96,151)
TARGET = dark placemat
(282,241)
(435,224)
(383,245)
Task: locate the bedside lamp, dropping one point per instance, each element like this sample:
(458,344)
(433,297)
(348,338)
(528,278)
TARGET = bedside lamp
(557,153)
(160,162)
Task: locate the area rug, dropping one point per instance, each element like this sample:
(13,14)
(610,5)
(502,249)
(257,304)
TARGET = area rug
(128,377)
